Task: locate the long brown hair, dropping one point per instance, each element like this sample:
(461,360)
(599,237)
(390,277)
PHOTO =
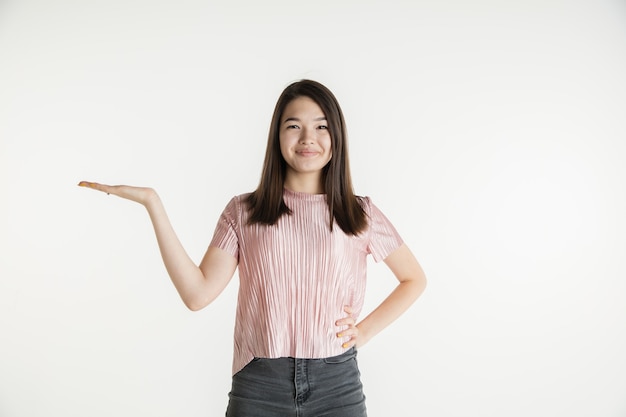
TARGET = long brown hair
(266,203)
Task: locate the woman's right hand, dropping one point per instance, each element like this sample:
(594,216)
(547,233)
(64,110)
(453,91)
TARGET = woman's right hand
(141,195)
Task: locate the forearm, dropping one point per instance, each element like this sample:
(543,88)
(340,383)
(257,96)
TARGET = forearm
(184,273)
(197,285)
(390,309)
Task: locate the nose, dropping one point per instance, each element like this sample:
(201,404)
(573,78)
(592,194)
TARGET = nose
(307,136)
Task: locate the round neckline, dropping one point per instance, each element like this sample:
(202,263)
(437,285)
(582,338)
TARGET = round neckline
(299,195)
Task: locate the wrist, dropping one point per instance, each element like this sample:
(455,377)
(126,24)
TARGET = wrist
(151,199)
(363,336)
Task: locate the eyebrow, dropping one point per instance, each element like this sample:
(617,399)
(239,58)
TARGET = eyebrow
(295,119)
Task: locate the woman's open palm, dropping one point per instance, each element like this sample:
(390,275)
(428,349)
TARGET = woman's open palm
(141,195)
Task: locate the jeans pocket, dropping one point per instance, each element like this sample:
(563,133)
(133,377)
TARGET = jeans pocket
(344,357)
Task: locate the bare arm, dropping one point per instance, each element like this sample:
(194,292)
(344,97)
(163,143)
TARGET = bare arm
(412,283)
(197,285)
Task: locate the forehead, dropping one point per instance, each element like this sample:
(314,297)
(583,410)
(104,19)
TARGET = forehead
(303,106)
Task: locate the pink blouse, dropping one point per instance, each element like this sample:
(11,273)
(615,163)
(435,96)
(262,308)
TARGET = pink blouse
(296,276)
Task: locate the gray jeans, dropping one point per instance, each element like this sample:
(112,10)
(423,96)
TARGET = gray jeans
(292,387)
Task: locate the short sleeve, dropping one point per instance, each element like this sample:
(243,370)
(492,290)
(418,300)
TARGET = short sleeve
(383,236)
(225,234)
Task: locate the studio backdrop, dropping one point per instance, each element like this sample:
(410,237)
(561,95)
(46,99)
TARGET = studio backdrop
(491,133)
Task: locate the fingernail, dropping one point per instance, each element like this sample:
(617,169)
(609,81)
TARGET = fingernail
(339,334)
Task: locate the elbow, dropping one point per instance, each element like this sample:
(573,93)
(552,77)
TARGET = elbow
(194,307)
(195,303)
(423,282)
(198,297)
(419,284)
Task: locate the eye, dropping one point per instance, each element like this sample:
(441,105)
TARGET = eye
(322,127)
(293,127)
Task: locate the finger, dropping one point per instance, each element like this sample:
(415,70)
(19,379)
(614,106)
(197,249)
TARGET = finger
(352,337)
(96,186)
(86,184)
(349,332)
(346,321)
(349,327)
(349,343)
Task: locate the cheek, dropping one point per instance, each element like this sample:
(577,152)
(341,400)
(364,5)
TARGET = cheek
(328,145)
(283,143)
(287,139)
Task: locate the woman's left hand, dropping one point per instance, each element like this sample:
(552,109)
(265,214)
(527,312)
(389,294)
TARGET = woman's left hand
(351,332)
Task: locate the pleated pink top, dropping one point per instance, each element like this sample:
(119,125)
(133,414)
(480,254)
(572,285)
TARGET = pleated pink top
(296,276)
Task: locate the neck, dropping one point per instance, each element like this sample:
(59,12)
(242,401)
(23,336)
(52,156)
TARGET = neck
(310,184)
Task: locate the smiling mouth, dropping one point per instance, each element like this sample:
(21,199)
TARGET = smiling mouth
(307,153)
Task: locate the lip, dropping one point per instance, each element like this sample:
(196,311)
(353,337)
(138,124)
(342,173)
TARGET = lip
(307,153)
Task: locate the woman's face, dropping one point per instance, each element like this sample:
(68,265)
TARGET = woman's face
(305,141)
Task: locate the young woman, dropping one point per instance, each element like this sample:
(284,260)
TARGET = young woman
(300,241)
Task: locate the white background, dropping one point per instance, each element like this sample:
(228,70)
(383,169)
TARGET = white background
(491,133)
